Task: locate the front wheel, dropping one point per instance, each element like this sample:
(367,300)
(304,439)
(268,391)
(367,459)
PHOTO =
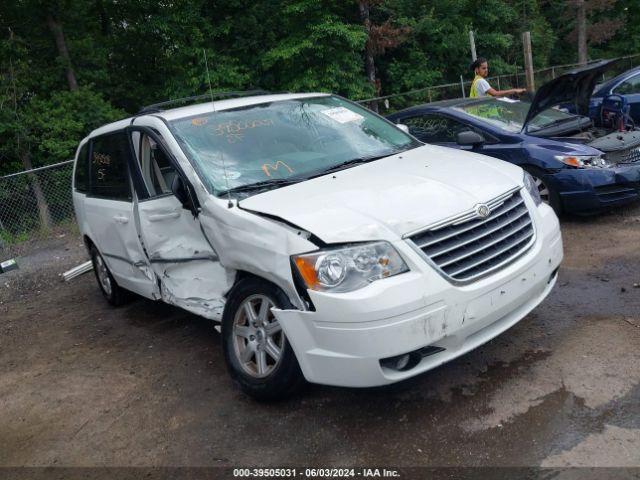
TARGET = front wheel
(256,350)
(547,193)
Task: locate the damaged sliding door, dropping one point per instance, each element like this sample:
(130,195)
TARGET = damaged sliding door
(185,263)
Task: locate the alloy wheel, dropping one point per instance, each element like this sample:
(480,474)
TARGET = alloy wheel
(103,275)
(258,340)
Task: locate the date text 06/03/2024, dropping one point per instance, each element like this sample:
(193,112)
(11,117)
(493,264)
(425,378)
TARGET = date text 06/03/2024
(315,473)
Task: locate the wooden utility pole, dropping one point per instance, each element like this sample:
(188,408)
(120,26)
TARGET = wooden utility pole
(581,26)
(370,66)
(528,61)
(472,41)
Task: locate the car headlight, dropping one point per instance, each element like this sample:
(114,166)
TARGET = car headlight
(349,268)
(582,161)
(532,188)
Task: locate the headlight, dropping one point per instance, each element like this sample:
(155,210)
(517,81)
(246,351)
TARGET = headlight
(350,268)
(532,188)
(582,161)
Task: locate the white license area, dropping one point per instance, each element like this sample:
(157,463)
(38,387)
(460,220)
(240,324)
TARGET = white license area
(512,294)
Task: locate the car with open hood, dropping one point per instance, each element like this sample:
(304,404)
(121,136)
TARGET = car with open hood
(327,243)
(578,168)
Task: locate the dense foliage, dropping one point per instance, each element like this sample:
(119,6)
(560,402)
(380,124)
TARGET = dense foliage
(67,66)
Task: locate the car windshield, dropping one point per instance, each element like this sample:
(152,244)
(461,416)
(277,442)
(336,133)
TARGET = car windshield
(509,114)
(273,144)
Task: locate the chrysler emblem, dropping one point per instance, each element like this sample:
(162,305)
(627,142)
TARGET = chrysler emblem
(482,211)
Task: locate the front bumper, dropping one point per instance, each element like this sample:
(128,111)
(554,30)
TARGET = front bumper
(344,340)
(594,189)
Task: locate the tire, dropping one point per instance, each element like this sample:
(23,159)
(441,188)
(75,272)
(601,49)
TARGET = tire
(548,194)
(258,356)
(114,294)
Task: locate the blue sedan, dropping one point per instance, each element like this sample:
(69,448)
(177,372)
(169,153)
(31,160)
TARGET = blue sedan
(554,146)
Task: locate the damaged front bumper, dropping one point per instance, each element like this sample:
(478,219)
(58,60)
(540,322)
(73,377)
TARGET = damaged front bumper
(595,189)
(350,336)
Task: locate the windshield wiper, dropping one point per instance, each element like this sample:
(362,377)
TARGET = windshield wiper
(274,182)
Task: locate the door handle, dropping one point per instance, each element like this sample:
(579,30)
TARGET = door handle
(121,219)
(163,216)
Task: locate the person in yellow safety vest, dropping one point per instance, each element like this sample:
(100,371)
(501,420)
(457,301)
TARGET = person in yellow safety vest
(481,88)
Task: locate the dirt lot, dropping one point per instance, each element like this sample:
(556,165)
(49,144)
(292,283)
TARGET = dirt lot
(82,384)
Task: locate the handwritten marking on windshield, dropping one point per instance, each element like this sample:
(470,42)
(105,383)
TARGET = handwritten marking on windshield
(274,167)
(233,129)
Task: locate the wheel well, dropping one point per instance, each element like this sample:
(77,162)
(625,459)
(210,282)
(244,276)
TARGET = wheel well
(534,169)
(88,243)
(242,274)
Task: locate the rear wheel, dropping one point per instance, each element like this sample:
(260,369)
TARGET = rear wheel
(114,294)
(256,350)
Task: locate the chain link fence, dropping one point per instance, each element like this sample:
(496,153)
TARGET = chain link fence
(391,103)
(35,205)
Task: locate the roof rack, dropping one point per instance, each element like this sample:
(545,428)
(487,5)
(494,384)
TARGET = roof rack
(158,107)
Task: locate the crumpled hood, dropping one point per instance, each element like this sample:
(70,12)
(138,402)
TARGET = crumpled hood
(387,198)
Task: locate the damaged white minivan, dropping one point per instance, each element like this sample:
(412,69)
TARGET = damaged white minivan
(331,245)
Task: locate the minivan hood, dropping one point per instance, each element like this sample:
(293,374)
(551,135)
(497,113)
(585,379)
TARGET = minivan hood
(387,198)
(573,87)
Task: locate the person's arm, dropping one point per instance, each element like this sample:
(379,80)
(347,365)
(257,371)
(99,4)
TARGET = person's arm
(503,93)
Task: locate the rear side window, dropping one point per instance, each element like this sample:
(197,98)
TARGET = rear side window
(81,179)
(109,157)
(629,86)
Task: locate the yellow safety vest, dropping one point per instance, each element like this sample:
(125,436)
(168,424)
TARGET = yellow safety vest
(474,91)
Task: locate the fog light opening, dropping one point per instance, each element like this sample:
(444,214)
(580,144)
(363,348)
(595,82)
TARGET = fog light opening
(407,361)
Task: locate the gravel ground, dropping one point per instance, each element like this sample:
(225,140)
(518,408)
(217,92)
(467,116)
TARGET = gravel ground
(84,385)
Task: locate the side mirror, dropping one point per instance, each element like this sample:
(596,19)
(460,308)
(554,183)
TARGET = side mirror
(469,138)
(402,127)
(180,191)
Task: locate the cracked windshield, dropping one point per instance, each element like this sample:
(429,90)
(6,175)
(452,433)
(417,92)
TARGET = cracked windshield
(510,114)
(267,145)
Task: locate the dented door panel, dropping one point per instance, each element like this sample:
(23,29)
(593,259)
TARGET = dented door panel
(187,267)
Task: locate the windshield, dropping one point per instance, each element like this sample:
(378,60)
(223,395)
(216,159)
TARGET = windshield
(271,143)
(510,114)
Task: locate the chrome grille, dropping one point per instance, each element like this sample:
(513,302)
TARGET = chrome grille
(629,155)
(468,247)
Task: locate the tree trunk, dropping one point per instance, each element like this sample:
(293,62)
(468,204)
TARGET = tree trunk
(25,156)
(581,20)
(370,66)
(58,35)
(41,201)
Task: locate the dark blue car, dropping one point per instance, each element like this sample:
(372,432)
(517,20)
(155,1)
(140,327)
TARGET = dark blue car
(557,148)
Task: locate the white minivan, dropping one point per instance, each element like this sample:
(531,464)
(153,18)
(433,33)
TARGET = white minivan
(331,245)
